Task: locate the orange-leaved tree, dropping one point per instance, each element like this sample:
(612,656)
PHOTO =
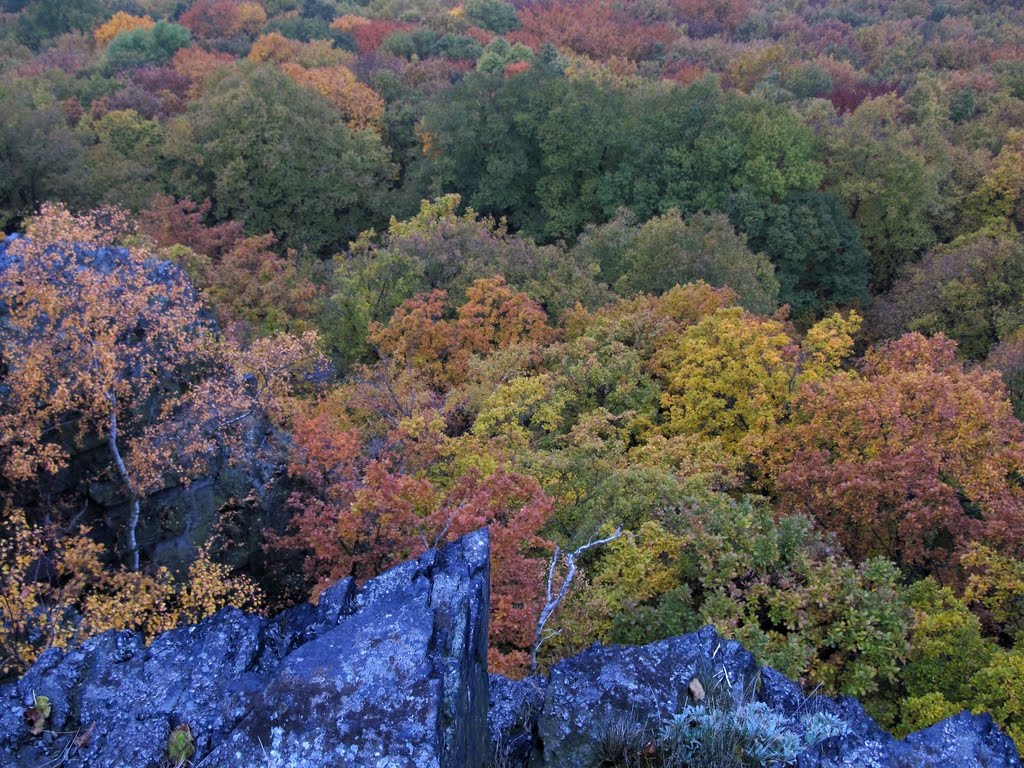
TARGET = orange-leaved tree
(360,106)
(388,473)
(92,336)
(107,353)
(118,23)
(420,342)
(107,346)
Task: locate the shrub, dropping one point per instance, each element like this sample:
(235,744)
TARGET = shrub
(999,690)
(917,712)
(493,15)
(141,47)
(749,735)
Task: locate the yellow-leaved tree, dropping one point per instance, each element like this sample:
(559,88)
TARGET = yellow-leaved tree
(730,377)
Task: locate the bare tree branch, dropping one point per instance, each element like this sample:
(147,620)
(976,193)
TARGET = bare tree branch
(552,603)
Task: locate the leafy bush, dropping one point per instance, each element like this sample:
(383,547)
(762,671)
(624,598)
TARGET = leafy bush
(495,15)
(141,47)
(458,47)
(999,690)
(917,712)
(769,583)
(498,54)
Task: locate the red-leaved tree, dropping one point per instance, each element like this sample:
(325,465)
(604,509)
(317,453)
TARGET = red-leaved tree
(913,457)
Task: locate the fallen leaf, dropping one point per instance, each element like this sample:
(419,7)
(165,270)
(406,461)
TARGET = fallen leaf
(696,691)
(83,738)
(37,715)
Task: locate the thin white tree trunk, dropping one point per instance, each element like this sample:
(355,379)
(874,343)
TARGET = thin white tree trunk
(133,497)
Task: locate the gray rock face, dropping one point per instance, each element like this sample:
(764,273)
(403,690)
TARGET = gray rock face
(393,676)
(600,688)
(512,719)
(593,696)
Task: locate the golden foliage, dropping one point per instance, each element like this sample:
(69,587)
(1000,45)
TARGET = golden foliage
(275,47)
(359,105)
(348,22)
(252,17)
(118,23)
(57,591)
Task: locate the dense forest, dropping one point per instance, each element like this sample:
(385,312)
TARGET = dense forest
(737,285)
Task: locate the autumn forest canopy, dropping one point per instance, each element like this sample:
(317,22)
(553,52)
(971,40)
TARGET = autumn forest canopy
(294,290)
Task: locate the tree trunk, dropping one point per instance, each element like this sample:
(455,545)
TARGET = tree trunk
(133,497)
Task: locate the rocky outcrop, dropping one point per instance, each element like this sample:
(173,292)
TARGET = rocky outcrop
(594,691)
(603,693)
(390,676)
(394,676)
